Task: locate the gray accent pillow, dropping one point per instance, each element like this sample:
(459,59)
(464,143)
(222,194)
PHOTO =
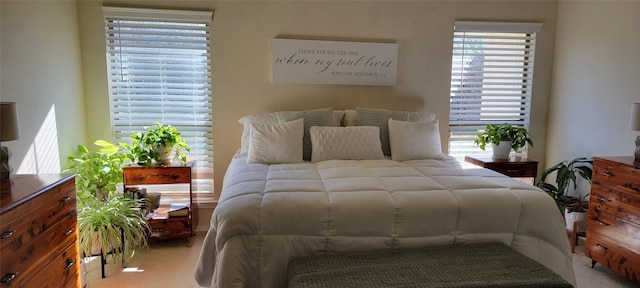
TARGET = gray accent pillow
(380,118)
(317,117)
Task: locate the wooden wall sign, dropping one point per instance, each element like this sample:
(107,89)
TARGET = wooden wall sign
(334,62)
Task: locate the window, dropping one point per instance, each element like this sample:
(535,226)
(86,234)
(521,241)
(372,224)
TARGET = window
(158,65)
(491,80)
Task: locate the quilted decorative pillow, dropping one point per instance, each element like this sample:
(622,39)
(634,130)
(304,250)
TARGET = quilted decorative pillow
(276,143)
(380,118)
(317,117)
(414,140)
(345,143)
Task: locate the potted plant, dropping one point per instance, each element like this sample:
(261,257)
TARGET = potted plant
(576,210)
(107,218)
(504,137)
(567,173)
(157,144)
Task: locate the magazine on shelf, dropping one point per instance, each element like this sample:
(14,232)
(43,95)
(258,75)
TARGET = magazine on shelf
(179,209)
(165,211)
(159,214)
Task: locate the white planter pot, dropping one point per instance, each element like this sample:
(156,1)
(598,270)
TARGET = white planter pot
(571,217)
(166,156)
(502,150)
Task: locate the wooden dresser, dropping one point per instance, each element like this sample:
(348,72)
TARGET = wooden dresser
(613,227)
(38,232)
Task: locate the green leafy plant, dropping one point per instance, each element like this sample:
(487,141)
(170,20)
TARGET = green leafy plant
(567,173)
(98,171)
(149,146)
(106,215)
(578,204)
(494,134)
(112,223)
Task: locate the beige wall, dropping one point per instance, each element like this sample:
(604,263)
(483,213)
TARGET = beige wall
(595,79)
(45,66)
(242,33)
(40,70)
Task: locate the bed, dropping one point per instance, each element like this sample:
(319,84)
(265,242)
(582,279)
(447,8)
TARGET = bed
(349,197)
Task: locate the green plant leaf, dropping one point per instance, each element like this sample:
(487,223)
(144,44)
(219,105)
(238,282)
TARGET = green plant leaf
(494,134)
(567,173)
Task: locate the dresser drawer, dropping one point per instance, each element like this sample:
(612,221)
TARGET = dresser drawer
(32,257)
(630,208)
(613,174)
(604,199)
(609,253)
(63,271)
(627,234)
(49,209)
(613,225)
(159,175)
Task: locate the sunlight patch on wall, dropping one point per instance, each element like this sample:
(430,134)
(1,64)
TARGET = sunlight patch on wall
(43,154)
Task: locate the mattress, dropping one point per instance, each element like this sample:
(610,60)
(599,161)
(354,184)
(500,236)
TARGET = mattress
(271,213)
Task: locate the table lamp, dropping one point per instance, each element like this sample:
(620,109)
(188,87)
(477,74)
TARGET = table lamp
(634,124)
(9,131)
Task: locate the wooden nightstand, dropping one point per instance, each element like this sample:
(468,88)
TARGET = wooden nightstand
(173,227)
(515,167)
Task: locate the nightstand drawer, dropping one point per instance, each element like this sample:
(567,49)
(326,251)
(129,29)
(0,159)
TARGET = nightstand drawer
(157,175)
(517,167)
(511,170)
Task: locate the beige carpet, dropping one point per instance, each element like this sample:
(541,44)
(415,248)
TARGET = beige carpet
(164,264)
(170,263)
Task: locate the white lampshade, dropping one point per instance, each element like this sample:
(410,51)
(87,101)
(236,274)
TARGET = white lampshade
(9,121)
(634,119)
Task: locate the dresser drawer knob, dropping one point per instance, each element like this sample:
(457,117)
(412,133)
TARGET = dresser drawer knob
(9,278)
(602,223)
(70,263)
(7,235)
(607,174)
(602,199)
(69,232)
(65,199)
(601,247)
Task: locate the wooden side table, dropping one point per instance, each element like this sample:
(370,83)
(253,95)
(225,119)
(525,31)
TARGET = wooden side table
(173,227)
(515,166)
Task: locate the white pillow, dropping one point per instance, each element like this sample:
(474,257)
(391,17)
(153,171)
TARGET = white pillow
(337,117)
(246,121)
(345,143)
(414,140)
(421,116)
(350,118)
(277,143)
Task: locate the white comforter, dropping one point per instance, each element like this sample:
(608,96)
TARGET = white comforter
(268,214)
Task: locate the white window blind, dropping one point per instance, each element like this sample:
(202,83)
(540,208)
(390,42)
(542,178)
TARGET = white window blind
(158,65)
(491,80)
